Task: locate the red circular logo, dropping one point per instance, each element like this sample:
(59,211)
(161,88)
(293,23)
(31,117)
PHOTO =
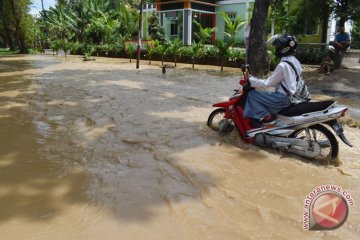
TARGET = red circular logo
(329,210)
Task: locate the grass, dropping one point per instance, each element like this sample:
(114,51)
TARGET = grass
(6,51)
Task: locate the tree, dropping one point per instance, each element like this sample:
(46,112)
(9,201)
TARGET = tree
(150,51)
(156,31)
(5,19)
(232,28)
(175,49)
(14,18)
(196,50)
(203,34)
(258,56)
(306,18)
(222,51)
(280,16)
(130,50)
(162,49)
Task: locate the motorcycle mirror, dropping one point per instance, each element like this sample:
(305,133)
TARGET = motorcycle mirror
(243,68)
(248,68)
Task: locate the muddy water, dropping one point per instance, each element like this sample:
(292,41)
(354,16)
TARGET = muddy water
(98,150)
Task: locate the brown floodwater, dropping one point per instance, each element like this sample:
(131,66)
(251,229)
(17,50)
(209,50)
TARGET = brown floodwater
(99,150)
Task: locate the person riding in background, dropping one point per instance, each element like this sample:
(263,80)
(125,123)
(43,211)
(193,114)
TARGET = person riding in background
(342,40)
(264,105)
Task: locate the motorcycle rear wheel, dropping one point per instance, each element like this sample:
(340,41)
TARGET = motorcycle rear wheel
(325,138)
(215,117)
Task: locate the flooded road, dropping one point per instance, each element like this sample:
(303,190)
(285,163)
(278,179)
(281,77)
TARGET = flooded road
(98,150)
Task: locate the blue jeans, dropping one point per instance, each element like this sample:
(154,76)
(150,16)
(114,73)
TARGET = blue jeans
(260,104)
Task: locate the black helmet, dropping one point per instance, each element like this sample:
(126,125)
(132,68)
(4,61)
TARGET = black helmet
(285,45)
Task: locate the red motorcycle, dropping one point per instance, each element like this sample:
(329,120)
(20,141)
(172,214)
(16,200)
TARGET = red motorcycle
(300,129)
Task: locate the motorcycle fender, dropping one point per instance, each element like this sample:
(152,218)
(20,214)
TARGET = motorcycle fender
(339,131)
(222,105)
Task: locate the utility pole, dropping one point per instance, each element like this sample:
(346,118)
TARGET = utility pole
(139,35)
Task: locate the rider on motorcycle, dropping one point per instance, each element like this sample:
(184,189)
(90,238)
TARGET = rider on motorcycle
(264,105)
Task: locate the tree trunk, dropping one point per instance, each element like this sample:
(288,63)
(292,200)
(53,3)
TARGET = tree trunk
(193,63)
(324,25)
(162,60)
(222,64)
(175,60)
(7,29)
(19,33)
(258,56)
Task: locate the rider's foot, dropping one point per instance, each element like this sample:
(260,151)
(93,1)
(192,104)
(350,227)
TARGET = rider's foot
(268,120)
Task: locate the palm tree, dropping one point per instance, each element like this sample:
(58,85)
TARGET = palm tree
(196,51)
(130,50)
(176,48)
(204,34)
(232,28)
(75,46)
(222,51)
(150,51)
(162,49)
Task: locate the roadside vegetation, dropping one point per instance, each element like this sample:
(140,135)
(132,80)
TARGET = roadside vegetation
(109,28)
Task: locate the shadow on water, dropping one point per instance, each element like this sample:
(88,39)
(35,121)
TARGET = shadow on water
(30,185)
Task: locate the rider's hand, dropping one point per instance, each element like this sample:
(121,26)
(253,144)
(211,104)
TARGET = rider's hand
(243,82)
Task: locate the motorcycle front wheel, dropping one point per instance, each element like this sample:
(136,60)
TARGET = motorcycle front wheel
(215,117)
(329,147)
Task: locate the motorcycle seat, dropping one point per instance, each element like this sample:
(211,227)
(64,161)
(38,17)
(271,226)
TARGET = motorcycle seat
(303,108)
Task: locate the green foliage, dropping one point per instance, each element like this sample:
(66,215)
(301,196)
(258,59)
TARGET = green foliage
(196,51)
(101,29)
(162,49)
(75,46)
(223,51)
(56,45)
(310,55)
(90,21)
(305,18)
(15,23)
(176,49)
(130,49)
(232,28)
(203,34)
(151,50)
(64,45)
(281,17)
(89,50)
(355,35)
(236,54)
(274,60)
(7,51)
(156,31)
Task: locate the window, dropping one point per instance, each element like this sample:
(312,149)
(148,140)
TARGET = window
(232,16)
(174,29)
